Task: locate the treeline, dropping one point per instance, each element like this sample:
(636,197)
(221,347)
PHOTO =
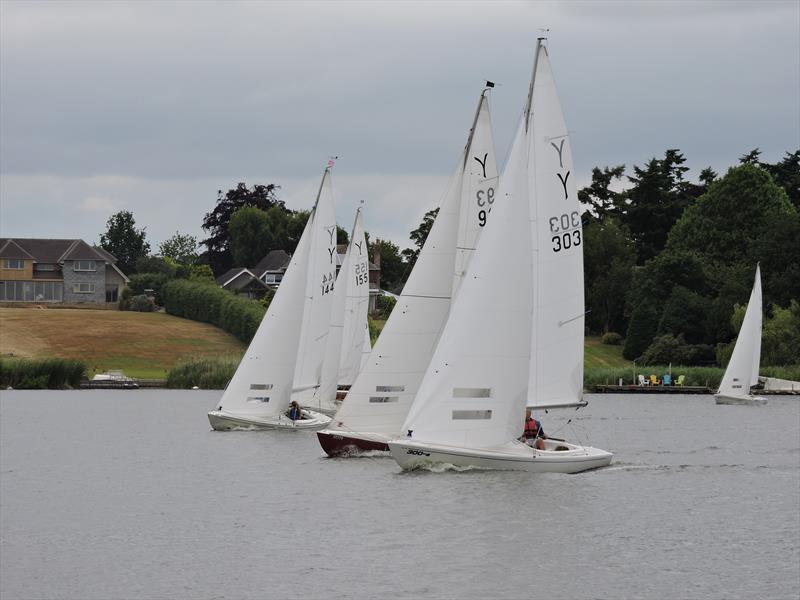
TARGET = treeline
(206,302)
(669,263)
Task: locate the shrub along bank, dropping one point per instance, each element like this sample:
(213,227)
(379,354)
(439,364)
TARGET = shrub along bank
(208,303)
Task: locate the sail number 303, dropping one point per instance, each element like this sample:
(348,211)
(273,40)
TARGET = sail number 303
(566,231)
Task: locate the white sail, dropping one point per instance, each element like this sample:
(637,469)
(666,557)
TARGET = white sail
(474,391)
(380,397)
(320,285)
(366,348)
(356,282)
(556,374)
(347,294)
(478,191)
(742,371)
(262,384)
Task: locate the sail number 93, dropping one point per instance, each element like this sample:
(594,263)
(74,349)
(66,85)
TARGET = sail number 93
(566,228)
(484,198)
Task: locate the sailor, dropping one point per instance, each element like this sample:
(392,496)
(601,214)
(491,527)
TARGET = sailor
(295,412)
(533,434)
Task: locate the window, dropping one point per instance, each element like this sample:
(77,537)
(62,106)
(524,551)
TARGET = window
(472,392)
(260,386)
(31,291)
(273,277)
(390,388)
(83,288)
(383,399)
(471,414)
(45,267)
(258,399)
(14,263)
(112,293)
(85,265)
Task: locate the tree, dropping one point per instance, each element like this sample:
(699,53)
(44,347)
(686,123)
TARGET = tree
(180,248)
(216,222)
(418,236)
(393,269)
(642,329)
(608,261)
(599,197)
(248,230)
(656,200)
(124,241)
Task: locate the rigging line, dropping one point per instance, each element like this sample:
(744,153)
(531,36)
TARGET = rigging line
(424,296)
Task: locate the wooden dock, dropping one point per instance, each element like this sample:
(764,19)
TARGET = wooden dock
(652,389)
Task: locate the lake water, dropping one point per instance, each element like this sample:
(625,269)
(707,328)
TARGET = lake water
(128,494)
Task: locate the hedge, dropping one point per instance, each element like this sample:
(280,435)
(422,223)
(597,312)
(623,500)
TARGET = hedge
(201,301)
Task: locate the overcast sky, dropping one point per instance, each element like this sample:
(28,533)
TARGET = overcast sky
(154,106)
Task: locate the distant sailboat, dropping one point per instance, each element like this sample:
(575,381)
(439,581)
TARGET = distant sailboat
(345,341)
(379,398)
(289,344)
(742,371)
(515,332)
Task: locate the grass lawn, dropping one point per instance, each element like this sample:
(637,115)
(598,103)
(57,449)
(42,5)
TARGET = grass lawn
(143,345)
(597,354)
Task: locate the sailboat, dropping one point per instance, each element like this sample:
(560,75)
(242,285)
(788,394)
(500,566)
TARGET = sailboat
(285,356)
(742,371)
(515,332)
(345,340)
(379,399)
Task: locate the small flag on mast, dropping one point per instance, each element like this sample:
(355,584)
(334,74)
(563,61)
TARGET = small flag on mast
(332,161)
(489,84)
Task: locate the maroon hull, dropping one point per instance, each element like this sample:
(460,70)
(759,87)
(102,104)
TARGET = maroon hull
(335,444)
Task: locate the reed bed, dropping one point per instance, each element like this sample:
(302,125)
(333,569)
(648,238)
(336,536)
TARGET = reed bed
(204,373)
(41,374)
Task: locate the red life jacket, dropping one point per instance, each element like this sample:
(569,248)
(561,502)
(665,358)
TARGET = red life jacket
(532,428)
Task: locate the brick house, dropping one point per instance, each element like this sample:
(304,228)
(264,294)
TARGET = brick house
(58,271)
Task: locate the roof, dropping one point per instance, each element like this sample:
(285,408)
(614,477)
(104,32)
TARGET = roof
(10,249)
(233,274)
(275,261)
(46,250)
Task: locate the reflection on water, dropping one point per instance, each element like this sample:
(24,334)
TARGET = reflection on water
(129,494)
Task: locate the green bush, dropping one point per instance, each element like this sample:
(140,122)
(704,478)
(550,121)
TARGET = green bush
(149,281)
(141,303)
(384,305)
(49,373)
(206,373)
(611,338)
(202,301)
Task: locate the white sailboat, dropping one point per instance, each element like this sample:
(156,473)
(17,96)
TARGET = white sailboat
(742,371)
(285,354)
(515,333)
(348,321)
(379,399)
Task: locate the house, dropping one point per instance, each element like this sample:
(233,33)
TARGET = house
(58,271)
(268,273)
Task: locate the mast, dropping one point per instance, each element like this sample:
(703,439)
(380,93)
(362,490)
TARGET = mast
(475,123)
(539,44)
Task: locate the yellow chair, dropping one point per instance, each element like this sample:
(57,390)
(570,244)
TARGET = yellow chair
(680,380)
(654,380)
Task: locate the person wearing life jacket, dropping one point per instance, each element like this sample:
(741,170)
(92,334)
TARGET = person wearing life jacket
(533,434)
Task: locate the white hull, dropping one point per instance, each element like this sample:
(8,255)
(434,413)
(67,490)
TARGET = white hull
(223,421)
(742,400)
(411,454)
